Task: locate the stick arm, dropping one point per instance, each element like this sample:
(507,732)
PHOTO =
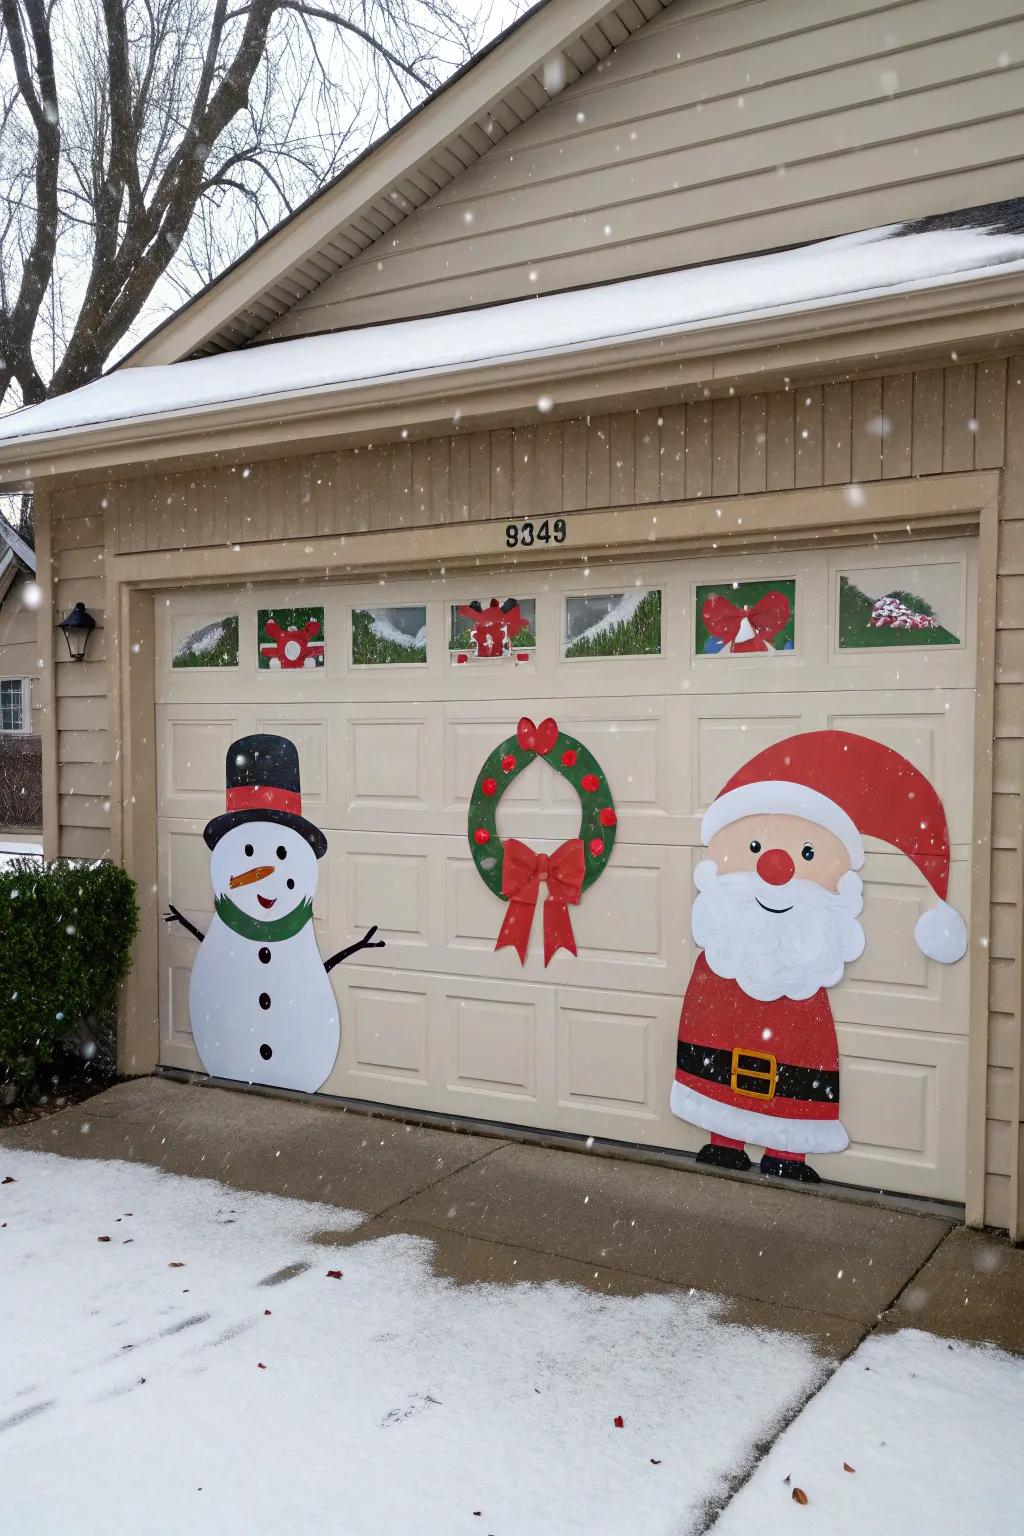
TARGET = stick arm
(366,942)
(172,915)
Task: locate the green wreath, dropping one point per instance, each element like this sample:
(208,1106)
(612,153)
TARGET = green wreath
(510,869)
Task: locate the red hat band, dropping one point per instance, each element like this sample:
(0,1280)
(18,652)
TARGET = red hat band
(264,797)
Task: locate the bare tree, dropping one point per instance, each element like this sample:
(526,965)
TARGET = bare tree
(148,142)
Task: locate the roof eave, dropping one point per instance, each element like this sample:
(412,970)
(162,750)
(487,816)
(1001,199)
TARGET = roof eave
(532,38)
(854,336)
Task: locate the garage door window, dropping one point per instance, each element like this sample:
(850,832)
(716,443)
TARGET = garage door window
(389,636)
(613,624)
(13,704)
(745,618)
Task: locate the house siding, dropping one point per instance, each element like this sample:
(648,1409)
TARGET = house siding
(717,130)
(19,654)
(934,421)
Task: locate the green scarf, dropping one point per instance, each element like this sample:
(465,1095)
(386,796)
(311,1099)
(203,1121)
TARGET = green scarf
(255,928)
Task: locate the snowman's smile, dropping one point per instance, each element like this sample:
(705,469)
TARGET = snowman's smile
(266,901)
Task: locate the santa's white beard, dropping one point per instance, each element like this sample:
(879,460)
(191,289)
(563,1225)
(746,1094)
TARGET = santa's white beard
(772,954)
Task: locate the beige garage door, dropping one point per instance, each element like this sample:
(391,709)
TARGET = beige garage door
(390,748)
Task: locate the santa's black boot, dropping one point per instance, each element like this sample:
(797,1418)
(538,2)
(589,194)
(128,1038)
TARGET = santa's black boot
(720,1155)
(778,1166)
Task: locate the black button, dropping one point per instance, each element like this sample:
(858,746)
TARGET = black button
(264,955)
(266,1052)
(264,999)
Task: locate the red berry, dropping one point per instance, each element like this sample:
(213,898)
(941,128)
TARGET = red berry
(481,836)
(607,817)
(590,782)
(489,786)
(596,847)
(508,762)
(569,758)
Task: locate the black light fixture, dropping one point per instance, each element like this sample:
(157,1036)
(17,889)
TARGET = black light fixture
(77,628)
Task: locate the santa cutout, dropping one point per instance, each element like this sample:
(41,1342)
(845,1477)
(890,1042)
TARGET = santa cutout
(776,919)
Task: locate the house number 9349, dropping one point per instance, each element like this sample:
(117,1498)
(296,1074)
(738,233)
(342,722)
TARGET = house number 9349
(529,534)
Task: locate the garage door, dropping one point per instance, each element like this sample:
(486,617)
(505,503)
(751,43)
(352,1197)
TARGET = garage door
(393,715)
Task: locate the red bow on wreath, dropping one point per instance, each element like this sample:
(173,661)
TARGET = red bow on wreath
(522,871)
(536,738)
(746,629)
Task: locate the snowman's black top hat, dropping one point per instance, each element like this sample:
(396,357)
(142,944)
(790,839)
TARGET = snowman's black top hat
(263,785)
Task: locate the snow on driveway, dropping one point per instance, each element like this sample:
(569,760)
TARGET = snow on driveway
(176,1358)
(931,1431)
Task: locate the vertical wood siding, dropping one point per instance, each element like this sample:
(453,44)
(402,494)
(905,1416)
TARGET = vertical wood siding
(933,421)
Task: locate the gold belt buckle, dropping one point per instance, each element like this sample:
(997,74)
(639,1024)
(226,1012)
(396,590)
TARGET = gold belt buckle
(761,1067)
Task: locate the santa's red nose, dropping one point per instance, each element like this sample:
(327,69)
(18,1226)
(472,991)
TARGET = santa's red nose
(775,867)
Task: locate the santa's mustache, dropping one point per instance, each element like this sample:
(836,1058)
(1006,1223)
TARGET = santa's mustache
(777,941)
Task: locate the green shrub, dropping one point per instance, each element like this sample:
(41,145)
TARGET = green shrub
(66,933)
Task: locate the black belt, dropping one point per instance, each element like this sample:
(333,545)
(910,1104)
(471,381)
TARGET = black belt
(757,1074)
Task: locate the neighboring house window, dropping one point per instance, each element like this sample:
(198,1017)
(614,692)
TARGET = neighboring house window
(14,712)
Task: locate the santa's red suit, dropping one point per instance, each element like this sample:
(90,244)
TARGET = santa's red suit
(767,1073)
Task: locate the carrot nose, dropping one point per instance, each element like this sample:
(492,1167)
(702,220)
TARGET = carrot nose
(259,872)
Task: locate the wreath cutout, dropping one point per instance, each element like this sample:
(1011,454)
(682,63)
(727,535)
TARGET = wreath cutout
(510,868)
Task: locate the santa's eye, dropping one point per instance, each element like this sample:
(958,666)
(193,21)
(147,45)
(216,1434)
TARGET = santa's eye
(755,846)
(807,852)
(282,853)
(248,850)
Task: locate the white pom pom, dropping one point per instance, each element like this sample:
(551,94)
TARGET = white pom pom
(941,934)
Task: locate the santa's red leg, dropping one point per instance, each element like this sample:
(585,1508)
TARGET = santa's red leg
(724,1152)
(793,1157)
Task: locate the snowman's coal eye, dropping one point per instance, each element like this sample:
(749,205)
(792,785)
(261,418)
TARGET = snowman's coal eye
(291,885)
(248,850)
(755,846)
(282,853)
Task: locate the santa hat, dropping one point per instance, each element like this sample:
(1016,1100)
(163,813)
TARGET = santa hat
(853,787)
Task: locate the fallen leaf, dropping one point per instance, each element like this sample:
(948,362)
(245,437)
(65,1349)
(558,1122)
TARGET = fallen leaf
(103,1239)
(848,1468)
(266,1312)
(619,1421)
(786,1479)
(176,1264)
(127,1240)
(334,1274)
(8,1180)
(260,1366)
(655,1463)
(799,1497)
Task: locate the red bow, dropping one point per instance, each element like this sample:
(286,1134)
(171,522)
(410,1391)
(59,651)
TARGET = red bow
(767,617)
(536,738)
(521,873)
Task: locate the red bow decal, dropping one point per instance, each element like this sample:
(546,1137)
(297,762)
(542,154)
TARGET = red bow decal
(521,874)
(536,738)
(764,620)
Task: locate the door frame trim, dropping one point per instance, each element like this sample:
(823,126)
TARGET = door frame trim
(943,504)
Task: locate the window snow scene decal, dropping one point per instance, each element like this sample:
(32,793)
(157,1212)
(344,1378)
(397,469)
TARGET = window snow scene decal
(261,1005)
(776,921)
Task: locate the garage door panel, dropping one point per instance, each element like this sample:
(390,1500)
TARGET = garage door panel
(385,1035)
(310,735)
(392,757)
(389,882)
(893,984)
(904,1104)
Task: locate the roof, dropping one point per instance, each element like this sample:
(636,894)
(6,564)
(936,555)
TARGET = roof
(895,262)
(15,556)
(545,50)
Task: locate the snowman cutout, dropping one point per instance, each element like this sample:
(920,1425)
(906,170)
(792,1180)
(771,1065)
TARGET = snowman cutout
(261,1006)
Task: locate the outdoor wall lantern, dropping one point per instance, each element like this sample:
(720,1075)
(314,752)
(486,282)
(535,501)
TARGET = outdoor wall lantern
(76,629)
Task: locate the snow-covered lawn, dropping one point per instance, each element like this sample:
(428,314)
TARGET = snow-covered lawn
(931,1432)
(136,1395)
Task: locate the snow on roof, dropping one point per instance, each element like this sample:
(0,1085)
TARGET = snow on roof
(874,263)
